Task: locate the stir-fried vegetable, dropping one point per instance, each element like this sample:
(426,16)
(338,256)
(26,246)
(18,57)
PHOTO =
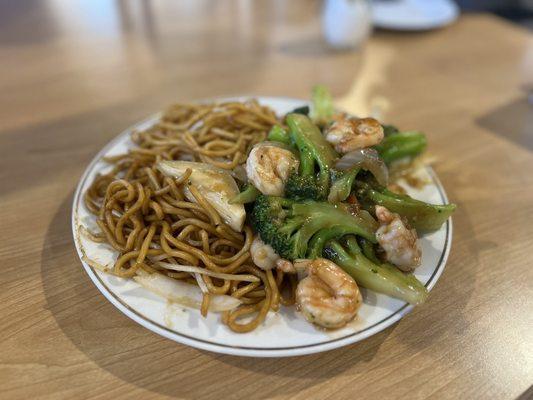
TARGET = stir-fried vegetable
(323,108)
(278,134)
(381,278)
(389,129)
(215,184)
(400,145)
(248,195)
(315,153)
(184,293)
(204,271)
(421,216)
(367,159)
(289,226)
(301,110)
(342,185)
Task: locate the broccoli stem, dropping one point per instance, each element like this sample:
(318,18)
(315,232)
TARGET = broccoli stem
(323,107)
(301,110)
(422,216)
(248,195)
(401,145)
(308,137)
(381,278)
(368,250)
(278,134)
(328,221)
(322,237)
(307,164)
(389,129)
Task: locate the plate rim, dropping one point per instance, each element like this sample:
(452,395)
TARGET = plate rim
(230,349)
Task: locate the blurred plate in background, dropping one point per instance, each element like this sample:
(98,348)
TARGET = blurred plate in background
(413,15)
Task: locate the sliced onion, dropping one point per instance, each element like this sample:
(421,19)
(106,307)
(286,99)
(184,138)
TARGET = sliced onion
(215,184)
(239,173)
(197,270)
(367,159)
(201,283)
(368,218)
(184,293)
(95,264)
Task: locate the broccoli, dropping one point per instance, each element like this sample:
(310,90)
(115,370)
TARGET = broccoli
(379,277)
(278,134)
(422,216)
(308,183)
(389,129)
(323,108)
(247,195)
(301,110)
(298,230)
(398,145)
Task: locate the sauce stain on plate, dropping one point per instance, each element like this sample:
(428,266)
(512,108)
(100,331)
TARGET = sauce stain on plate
(357,324)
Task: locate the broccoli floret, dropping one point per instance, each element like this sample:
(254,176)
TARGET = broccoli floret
(300,187)
(298,230)
(312,180)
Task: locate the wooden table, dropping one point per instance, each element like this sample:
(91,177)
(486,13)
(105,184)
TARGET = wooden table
(72,75)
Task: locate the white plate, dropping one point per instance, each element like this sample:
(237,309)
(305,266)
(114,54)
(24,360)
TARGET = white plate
(283,333)
(413,15)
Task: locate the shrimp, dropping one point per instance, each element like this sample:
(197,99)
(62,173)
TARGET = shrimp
(328,296)
(268,168)
(286,266)
(349,134)
(265,257)
(398,241)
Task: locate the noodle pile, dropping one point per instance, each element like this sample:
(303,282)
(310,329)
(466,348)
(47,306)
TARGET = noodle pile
(145,216)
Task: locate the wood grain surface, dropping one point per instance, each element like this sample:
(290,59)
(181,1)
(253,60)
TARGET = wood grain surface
(74,74)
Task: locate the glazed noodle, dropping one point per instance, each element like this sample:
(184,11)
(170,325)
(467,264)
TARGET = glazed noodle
(146,217)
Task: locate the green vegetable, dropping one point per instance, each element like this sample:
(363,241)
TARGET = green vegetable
(248,195)
(314,152)
(400,145)
(301,110)
(368,250)
(422,216)
(342,185)
(323,108)
(381,278)
(389,129)
(278,134)
(298,230)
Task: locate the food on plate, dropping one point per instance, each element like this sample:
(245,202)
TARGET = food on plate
(229,208)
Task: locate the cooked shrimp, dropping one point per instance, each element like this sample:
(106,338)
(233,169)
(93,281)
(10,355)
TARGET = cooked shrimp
(263,255)
(349,134)
(268,168)
(328,296)
(399,242)
(285,266)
